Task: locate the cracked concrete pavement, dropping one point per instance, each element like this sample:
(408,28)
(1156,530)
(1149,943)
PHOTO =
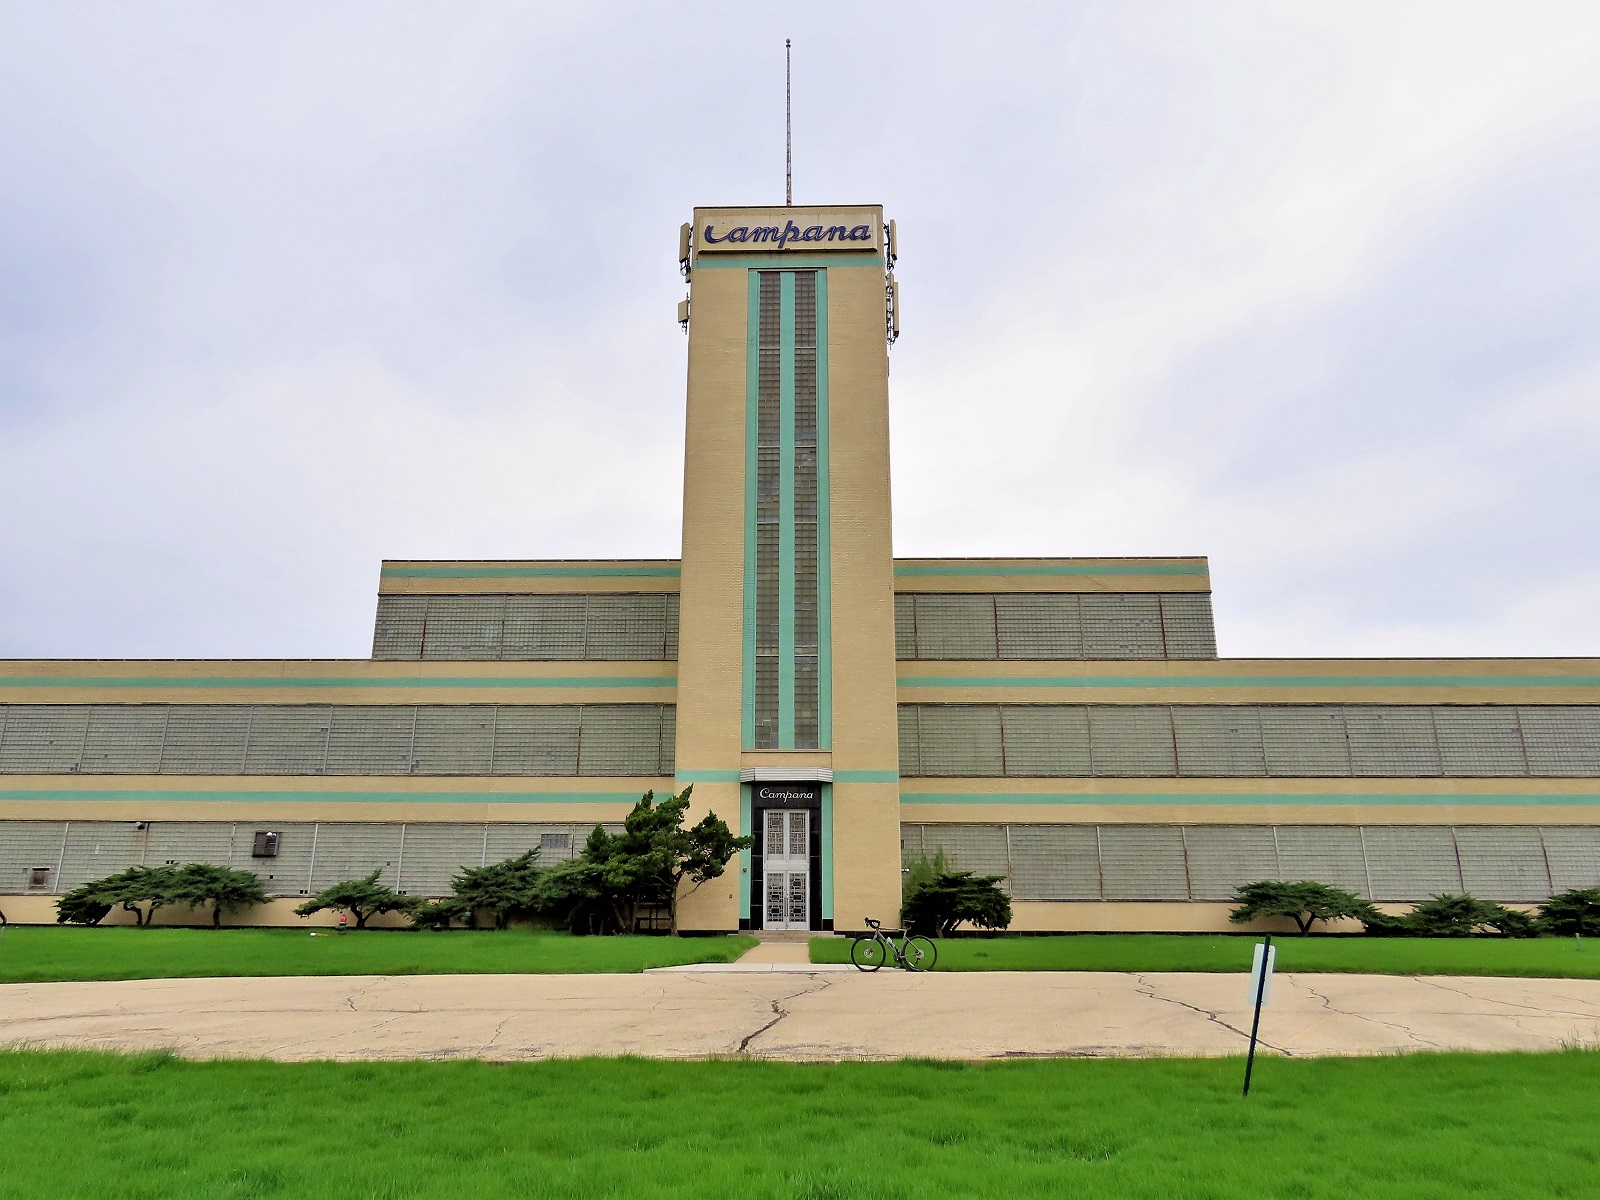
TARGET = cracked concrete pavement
(797,1015)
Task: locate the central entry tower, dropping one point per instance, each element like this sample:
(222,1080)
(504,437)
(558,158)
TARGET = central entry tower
(786,668)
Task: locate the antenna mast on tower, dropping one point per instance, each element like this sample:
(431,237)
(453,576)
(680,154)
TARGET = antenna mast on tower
(788,128)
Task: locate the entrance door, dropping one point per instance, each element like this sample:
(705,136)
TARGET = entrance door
(787,865)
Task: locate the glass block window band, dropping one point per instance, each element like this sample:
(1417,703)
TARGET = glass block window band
(1249,741)
(341,739)
(527,628)
(783,650)
(1024,626)
(1403,863)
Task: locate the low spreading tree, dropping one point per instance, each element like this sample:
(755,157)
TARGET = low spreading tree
(83,905)
(505,890)
(138,890)
(1575,911)
(362,898)
(1305,903)
(921,871)
(577,894)
(942,903)
(1464,916)
(647,864)
(224,889)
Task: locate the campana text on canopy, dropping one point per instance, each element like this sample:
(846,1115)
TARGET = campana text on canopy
(791,233)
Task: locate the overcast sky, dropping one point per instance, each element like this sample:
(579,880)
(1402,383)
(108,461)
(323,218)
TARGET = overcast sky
(289,288)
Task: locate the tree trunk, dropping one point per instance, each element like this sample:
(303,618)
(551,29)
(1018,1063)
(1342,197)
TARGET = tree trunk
(216,914)
(361,918)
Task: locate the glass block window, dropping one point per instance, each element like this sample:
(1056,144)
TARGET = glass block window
(1023,626)
(537,628)
(339,739)
(788,489)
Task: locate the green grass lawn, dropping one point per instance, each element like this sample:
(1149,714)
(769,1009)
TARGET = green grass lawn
(36,953)
(1559,957)
(1422,1127)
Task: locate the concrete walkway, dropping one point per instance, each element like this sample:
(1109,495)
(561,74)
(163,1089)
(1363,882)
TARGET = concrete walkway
(797,1014)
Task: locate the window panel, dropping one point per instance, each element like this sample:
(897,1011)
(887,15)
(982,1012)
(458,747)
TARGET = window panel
(1503,862)
(1131,740)
(1054,862)
(536,739)
(1562,740)
(1143,862)
(1046,740)
(955,627)
(1122,626)
(1304,740)
(397,632)
(620,739)
(1411,862)
(44,739)
(1221,857)
(1186,622)
(289,739)
(1032,626)
(1391,740)
(1481,740)
(960,740)
(1219,741)
(125,739)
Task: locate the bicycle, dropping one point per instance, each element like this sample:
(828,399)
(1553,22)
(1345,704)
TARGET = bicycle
(870,951)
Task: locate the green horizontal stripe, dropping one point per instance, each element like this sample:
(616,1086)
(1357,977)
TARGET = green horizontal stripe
(911,570)
(325,682)
(1245,681)
(787,262)
(838,776)
(575,572)
(153,795)
(1252,798)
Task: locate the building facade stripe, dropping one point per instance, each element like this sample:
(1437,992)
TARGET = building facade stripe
(71,682)
(574,572)
(1170,799)
(919,570)
(824,549)
(786,510)
(1245,681)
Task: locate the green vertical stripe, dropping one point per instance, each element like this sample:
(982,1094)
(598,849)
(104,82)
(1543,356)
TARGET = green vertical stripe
(827,852)
(824,555)
(786,513)
(752,400)
(745,818)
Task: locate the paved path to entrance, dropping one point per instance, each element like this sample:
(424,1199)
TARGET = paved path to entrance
(797,1014)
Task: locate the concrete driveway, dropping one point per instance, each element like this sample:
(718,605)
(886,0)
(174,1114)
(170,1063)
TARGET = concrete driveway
(798,1014)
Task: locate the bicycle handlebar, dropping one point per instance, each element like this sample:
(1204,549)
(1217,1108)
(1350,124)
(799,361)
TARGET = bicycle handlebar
(871,924)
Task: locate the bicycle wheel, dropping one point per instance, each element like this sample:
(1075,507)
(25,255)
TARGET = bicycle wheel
(920,954)
(867,954)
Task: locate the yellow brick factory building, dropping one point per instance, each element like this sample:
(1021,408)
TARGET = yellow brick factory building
(1064,722)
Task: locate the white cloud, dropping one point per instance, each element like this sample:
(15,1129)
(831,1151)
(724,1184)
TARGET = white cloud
(295,288)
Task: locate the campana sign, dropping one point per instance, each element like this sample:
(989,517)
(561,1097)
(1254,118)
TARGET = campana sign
(788,795)
(793,229)
(790,232)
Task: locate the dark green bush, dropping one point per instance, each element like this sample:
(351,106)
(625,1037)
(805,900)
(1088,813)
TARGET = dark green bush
(944,902)
(1464,916)
(1574,911)
(1304,903)
(364,898)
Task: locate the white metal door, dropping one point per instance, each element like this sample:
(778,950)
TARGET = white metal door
(787,865)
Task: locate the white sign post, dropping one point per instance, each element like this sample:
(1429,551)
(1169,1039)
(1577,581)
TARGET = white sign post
(1260,989)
